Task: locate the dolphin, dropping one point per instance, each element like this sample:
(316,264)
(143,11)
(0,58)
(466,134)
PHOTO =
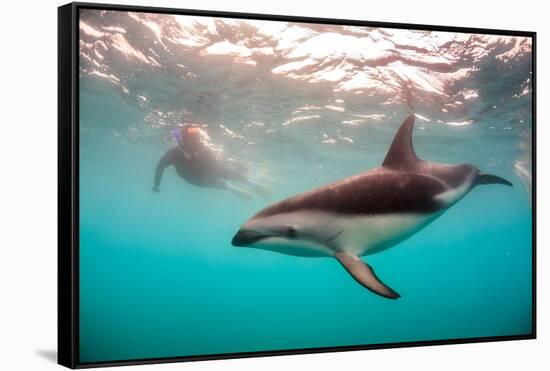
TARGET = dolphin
(365,213)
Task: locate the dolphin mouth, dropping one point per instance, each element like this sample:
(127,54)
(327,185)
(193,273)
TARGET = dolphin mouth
(246,237)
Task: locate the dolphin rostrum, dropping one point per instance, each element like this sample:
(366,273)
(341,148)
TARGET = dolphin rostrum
(365,213)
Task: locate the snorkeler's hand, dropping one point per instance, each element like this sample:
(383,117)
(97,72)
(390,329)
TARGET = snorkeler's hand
(156,189)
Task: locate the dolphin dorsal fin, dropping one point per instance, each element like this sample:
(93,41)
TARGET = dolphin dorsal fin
(401,153)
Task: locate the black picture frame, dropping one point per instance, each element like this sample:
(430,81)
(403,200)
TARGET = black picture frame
(68,182)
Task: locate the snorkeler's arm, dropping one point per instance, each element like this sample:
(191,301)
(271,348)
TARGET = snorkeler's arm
(165,161)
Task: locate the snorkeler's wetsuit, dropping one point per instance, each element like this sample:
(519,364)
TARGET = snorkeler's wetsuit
(201,168)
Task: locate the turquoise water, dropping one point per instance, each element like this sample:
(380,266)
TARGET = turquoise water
(158,274)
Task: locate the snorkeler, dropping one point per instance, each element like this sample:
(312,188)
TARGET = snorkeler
(196,162)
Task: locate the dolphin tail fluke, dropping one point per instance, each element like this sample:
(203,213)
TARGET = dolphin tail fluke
(491,179)
(364,275)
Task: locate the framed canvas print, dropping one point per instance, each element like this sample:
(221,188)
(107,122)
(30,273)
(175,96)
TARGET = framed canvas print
(235,185)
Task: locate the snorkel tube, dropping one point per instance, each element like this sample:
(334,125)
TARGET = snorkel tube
(176,133)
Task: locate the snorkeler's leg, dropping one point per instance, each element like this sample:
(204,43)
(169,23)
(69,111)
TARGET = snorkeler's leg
(221,184)
(262,190)
(239,192)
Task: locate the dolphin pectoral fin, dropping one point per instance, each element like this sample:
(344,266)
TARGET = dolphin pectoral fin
(364,274)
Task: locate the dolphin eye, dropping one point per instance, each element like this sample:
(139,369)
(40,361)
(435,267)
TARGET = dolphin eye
(291,232)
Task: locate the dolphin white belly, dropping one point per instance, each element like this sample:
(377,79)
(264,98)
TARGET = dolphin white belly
(363,234)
